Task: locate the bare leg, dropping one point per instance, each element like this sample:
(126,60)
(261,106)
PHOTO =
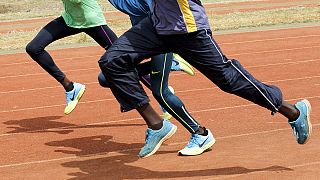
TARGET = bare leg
(151,117)
(289,111)
(67,84)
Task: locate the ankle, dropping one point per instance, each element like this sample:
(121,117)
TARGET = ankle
(296,115)
(157,126)
(69,87)
(202,131)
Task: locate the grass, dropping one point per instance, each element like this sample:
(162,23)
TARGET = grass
(236,20)
(291,15)
(26,9)
(17,40)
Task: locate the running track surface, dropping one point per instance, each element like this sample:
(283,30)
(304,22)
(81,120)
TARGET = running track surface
(96,141)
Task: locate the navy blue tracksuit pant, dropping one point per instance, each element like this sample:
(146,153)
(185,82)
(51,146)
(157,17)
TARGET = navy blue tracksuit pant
(197,48)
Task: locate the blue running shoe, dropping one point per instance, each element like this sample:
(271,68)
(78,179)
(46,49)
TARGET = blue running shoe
(179,64)
(165,114)
(73,97)
(154,138)
(198,144)
(302,127)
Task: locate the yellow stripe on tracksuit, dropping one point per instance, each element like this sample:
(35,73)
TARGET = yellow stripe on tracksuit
(187,15)
(161,94)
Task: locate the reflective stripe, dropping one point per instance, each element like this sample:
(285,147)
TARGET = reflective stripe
(161,94)
(269,101)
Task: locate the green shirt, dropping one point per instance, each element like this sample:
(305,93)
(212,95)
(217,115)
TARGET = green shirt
(83,13)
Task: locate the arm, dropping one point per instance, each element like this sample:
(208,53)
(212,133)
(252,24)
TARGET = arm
(131,7)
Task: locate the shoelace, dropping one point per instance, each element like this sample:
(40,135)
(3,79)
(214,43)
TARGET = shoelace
(69,95)
(147,136)
(193,140)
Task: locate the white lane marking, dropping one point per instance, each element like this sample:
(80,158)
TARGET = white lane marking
(109,99)
(132,149)
(125,120)
(248,67)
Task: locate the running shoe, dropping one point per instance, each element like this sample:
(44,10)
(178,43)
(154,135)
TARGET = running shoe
(302,127)
(179,64)
(154,138)
(73,97)
(198,144)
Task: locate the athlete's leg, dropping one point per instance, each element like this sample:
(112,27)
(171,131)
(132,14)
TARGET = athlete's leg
(103,35)
(118,66)
(161,65)
(227,74)
(119,62)
(231,77)
(53,31)
(159,79)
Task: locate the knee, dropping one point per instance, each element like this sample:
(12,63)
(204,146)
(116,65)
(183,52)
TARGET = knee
(106,64)
(113,65)
(108,69)
(164,94)
(32,49)
(231,78)
(103,81)
(225,82)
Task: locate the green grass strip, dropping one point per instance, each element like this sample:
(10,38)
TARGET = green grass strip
(237,20)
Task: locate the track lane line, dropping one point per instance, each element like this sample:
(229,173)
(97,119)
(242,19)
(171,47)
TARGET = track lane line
(110,99)
(139,118)
(248,67)
(133,149)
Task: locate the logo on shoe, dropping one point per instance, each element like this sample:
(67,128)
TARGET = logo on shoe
(175,62)
(200,145)
(74,93)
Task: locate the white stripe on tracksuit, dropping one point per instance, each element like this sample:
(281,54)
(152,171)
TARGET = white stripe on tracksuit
(241,72)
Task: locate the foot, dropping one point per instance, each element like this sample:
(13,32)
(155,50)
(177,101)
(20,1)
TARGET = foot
(198,144)
(154,138)
(179,64)
(302,127)
(73,97)
(166,115)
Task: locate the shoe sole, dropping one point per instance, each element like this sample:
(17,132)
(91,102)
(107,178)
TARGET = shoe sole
(203,149)
(191,72)
(78,97)
(172,131)
(184,62)
(308,119)
(166,116)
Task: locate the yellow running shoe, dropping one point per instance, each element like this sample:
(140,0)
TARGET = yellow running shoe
(73,97)
(166,115)
(179,64)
